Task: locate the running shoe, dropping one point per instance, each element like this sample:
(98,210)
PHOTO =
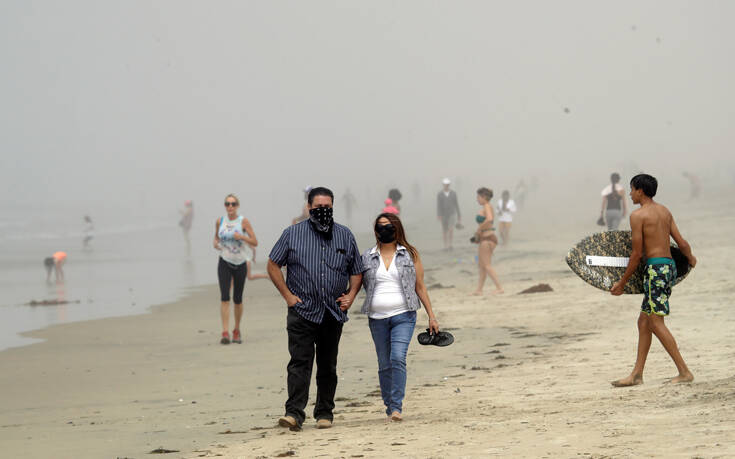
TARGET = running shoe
(236,336)
(225,338)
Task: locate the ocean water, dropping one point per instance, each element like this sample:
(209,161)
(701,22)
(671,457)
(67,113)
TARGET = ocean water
(128,268)
(138,257)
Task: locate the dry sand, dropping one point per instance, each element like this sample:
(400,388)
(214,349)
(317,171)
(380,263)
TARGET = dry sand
(528,375)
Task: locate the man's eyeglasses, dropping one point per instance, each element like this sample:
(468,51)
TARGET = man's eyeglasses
(230,204)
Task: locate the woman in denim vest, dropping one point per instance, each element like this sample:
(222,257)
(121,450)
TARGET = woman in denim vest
(394,284)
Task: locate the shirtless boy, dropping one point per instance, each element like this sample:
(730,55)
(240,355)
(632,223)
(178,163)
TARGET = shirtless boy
(652,225)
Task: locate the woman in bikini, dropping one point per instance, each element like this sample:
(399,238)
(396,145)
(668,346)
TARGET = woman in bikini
(487,241)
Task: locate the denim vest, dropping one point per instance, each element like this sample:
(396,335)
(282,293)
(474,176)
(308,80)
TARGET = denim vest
(406,272)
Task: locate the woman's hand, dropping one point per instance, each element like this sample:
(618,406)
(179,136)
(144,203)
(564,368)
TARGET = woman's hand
(433,326)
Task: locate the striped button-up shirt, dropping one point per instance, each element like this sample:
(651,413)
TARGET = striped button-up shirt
(319,269)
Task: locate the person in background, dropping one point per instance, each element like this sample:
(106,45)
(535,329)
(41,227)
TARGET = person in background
(88,232)
(55,263)
(304,209)
(506,208)
(395,289)
(487,241)
(416,191)
(251,262)
(390,208)
(233,234)
(614,207)
(187,217)
(695,185)
(395,195)
(350,203)
(447,212)
(520,193)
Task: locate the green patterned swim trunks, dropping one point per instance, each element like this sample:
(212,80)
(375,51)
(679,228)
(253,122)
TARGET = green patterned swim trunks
(658,279)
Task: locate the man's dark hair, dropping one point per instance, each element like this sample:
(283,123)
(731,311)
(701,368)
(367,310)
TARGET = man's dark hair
(645,182)
(320,191)
(395,194)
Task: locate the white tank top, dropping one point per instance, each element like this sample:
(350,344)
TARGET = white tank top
(388,299)
(506,216)
(233,251)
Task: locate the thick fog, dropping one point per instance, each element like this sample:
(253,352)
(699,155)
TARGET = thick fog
(123,110)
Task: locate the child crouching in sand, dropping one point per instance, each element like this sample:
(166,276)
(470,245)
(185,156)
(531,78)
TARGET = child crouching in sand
(652,225)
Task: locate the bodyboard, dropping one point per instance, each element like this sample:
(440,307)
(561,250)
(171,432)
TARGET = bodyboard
(601,259)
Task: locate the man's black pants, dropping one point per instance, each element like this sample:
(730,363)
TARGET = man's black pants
(304,338)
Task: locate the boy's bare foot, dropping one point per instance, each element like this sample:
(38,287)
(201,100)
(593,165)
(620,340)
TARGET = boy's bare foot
(685,378)
(632,380)
(498,291)
(476,293)
(396,416)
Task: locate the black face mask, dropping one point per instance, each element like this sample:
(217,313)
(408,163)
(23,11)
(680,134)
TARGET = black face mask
(321,218)
(386,233)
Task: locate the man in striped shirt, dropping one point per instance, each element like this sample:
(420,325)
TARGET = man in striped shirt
(324,276)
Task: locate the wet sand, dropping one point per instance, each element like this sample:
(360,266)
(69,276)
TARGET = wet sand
(528,375)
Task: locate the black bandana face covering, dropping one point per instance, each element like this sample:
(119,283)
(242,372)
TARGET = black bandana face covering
(321,218)
(386,233)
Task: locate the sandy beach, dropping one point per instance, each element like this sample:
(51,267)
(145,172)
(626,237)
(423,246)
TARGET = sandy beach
(528,375)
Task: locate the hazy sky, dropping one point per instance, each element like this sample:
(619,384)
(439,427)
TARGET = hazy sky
(135,103)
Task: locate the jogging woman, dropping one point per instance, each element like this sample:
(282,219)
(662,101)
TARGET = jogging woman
(232,236)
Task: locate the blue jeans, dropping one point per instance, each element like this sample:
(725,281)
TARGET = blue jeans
(392,337)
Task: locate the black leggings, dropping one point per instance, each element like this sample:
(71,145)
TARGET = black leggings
(231,274)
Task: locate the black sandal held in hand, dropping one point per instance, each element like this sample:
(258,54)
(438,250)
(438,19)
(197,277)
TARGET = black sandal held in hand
(440,339)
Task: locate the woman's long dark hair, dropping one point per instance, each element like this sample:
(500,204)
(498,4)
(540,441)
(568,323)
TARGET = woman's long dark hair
(614,179)
(400,233)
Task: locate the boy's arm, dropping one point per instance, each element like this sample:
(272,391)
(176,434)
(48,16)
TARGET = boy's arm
(684,246)
(636,225)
